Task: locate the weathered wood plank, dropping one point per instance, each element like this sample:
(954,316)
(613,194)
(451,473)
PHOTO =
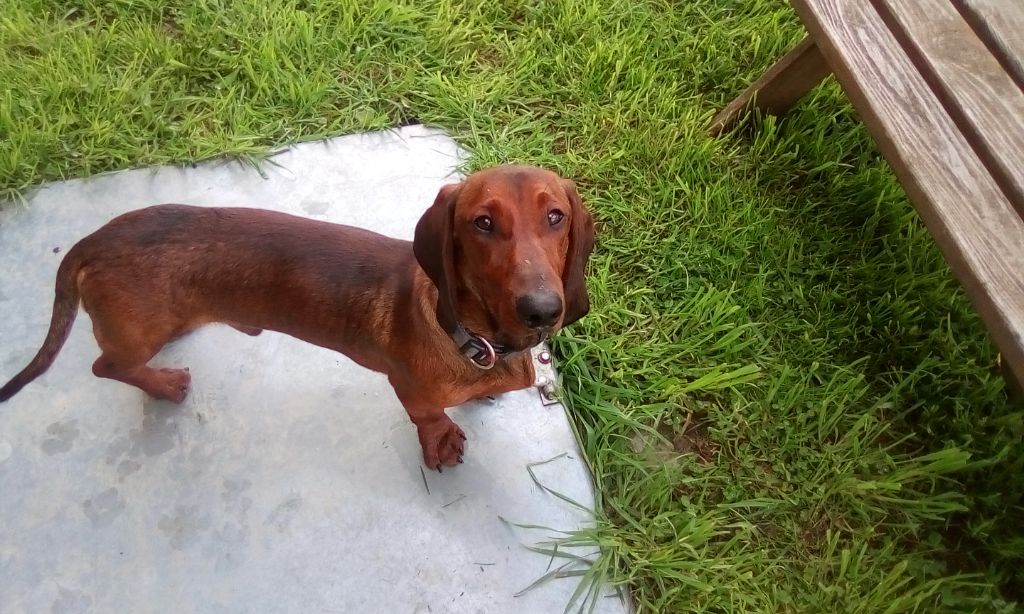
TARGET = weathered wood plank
(970,82)
(976,228)
(779,88)
(1001,24)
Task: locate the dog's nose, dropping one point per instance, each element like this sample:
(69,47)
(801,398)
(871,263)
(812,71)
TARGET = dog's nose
(539,309)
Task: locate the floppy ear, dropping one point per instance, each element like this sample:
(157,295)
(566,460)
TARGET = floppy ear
(581,243)
(432,245)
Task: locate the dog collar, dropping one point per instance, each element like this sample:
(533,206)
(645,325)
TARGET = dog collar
(481,352)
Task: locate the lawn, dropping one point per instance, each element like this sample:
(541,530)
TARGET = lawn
(787,402)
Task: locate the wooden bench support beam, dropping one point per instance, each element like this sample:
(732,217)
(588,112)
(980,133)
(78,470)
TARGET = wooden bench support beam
(779,88)
(1014,385)
(939,85)
(970,217)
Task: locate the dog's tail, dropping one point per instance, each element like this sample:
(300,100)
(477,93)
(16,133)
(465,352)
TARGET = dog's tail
(65,308)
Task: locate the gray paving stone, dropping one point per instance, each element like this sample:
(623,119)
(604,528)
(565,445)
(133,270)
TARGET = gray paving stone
(290,480)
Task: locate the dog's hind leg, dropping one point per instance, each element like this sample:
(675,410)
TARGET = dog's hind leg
(130,367)
(252,331)
(126,348)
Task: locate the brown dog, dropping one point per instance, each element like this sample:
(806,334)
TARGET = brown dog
(496,265)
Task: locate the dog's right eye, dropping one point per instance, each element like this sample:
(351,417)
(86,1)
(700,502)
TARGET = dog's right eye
(484,223)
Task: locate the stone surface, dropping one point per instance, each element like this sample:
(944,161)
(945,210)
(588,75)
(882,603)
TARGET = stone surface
(290,480)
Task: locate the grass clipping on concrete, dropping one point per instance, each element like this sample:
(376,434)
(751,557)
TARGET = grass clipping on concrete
(787,402)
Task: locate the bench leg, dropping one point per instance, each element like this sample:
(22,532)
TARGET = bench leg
(779,87)
(1014,384)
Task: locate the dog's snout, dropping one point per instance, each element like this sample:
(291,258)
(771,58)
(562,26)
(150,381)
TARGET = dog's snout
(539,309)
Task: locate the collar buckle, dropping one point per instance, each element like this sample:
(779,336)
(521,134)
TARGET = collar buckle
(481,352)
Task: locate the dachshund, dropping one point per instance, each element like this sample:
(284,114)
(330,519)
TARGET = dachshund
(496,265)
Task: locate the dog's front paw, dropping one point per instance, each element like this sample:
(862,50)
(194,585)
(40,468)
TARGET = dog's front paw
(443,442)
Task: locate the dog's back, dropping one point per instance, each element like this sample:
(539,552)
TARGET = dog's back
(236,263)
(156,273)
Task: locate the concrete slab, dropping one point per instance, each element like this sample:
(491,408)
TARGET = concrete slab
(290,480)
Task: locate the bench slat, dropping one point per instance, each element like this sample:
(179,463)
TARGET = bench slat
(971,83)
(1001,24)
(976,228)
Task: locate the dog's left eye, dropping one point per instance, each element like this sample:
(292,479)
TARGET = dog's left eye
(484,223)
(555,217)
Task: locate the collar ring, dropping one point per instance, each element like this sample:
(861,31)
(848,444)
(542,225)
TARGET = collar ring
(490,356)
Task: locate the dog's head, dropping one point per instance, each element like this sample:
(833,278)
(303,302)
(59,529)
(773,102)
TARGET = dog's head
(507,249)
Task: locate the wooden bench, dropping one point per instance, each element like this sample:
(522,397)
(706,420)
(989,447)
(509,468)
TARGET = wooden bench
(940,86)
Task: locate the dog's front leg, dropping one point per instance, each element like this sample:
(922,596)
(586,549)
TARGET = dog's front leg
(442,440)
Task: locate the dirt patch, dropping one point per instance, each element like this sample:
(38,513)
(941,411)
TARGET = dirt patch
(691,437)
(24,50)
(171,28)
(694,439)
(814,532)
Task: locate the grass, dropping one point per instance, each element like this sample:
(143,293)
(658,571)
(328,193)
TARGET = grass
(786,400)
